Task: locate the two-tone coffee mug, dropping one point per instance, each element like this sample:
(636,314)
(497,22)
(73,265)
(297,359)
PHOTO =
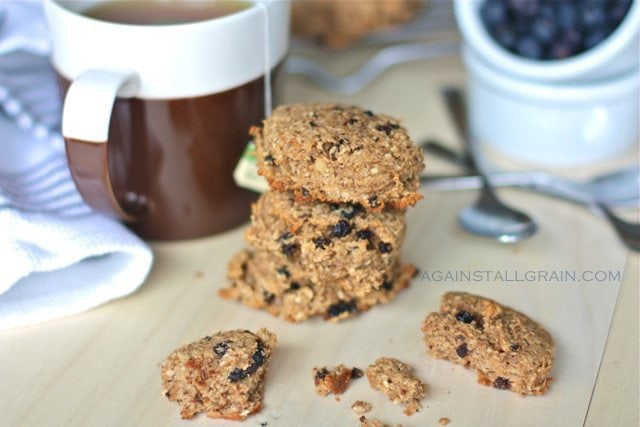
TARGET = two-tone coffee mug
(156,113)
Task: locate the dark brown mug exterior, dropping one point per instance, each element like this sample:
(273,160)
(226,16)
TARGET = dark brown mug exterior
(171,161)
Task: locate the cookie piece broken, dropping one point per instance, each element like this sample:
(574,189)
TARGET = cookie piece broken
(395,379)
(506,348)
(221,375)
(334,381)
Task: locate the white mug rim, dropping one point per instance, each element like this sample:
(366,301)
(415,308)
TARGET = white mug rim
(157,27)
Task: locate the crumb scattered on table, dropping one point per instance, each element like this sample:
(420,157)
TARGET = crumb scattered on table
(334,381)
(395,379)
(360,407)
(443,421)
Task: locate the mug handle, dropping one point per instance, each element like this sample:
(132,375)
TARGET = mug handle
(85,126)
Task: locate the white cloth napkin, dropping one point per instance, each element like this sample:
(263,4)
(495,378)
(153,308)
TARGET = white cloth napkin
(57,257)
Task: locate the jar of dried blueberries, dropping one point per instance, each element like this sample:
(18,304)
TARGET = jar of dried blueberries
(553,40)
(552,82)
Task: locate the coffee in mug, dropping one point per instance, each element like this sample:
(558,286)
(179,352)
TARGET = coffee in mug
(156,114)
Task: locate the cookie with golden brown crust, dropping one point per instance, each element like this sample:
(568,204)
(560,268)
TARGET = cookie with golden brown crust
(507,349)
(221,375)
(339,154)
(338,23)
(343,243)
(303,298)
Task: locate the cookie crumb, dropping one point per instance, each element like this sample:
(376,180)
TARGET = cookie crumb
(370,422)
(443,421)
(334,381)
(198,274)
(360,407)
(395,379)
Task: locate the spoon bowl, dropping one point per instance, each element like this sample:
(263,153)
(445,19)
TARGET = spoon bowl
(488,217)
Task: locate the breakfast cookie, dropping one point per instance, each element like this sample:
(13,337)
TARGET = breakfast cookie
(395,379)
(304,298)
(328,241)
(220,375)
(338,23)
(335,380)
(340,154)
(507,349)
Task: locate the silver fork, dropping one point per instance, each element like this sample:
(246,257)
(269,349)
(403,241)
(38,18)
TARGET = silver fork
(379,63)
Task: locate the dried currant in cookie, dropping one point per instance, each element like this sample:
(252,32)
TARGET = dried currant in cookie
(502,383)
(321,242)
(341,307)
(462,350)
(289,249)
(385,247)
(341,228)
(464,317)
(221,348)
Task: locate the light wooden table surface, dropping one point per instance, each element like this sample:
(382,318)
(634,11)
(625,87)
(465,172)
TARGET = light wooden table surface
(102,367)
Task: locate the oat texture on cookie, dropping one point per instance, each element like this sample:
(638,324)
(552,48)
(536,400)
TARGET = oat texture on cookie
(220,375)
(507,349)
(326,239)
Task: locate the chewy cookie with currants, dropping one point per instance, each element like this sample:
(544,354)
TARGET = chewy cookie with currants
(339,154)
(221,375)
(507,349)
(342,243)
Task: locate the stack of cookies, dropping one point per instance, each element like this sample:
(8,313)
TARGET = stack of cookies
(326,238)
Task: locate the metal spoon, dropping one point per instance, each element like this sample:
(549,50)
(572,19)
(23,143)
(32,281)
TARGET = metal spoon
(619,188)
(488,217)
(593,193)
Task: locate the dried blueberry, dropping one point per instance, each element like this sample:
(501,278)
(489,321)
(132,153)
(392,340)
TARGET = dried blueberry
(352,121)
(341,307)
(268,159)
(334,206)
(464,317)
(365,234)
(387,285)
(321,242)
(387,128)
(313,124)
(294,286)
(373,201)
(321,374)
(236,375)
(514,347)
(341,228)
(545,29)
(305,192)
(284,271)
(356,373)
(289,249)
(268,297)
(462,350)
(221,348)
(369,113)
(493,12)
(502,383)
(529,47)
(385,247)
